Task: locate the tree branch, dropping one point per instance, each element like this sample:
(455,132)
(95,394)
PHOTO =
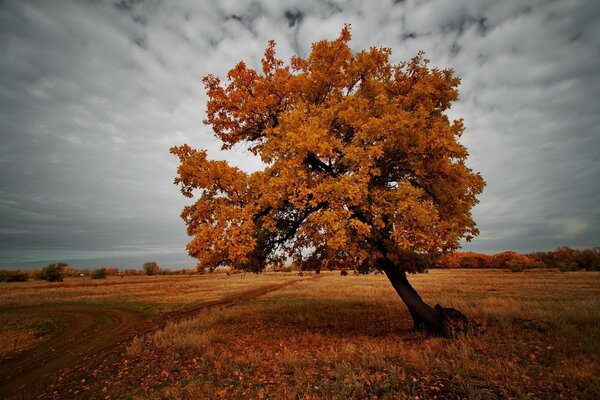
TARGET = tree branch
(313,161)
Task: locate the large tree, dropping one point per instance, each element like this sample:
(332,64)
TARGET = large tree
(362,169)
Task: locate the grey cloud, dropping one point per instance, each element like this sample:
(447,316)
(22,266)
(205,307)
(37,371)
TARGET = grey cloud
(92,95)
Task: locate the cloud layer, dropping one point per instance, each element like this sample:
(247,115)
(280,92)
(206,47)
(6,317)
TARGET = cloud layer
(92,95)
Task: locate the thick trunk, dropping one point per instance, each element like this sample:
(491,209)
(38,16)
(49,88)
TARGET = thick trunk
(438,321)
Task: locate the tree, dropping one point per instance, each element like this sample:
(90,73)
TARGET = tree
(52,272)
(13,276)
(363,169)
(99,273)
(589,259)
(151,268)
(112,271)
(514,261)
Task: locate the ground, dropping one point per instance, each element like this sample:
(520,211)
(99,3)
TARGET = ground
(278,335)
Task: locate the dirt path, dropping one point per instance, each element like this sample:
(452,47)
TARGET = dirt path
(90,332)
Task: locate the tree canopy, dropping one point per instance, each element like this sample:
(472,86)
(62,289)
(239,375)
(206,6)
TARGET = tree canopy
(362,166)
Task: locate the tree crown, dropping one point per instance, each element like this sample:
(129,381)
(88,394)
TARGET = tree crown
(361,164)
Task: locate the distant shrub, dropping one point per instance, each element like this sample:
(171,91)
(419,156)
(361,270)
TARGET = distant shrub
(568,266)
(13,276)
(151,268)
(52,273)
(475,260)
(112,271)
(514,261)
(515,266)
(588,259)
(464,260)
(100,273)
(71,271)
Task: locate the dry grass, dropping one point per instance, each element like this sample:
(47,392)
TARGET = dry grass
(21,329)
(20,332)
(351,338)
(192,335)
(152,294)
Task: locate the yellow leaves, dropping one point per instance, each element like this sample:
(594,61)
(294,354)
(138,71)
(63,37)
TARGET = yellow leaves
(359,228)
(214,177)
(357,151)
(414,218)
(270,63)
(222,242)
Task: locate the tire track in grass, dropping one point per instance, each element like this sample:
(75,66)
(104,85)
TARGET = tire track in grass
(89,333)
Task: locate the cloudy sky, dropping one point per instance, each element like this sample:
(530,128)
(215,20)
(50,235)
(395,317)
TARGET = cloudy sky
(93,94)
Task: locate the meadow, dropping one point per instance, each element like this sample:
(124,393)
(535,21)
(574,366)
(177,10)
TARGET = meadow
(281,336)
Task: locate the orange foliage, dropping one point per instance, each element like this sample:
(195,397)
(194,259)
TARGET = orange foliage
(362,163)
(71,271)
(512,260)
(465,260)
(562,257)
(112,271)
(507,259)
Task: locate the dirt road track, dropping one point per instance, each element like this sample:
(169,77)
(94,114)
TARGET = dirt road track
(89,332)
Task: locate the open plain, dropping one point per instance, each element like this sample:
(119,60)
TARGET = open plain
(279,335)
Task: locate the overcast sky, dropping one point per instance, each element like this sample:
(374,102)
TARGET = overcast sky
(93,94)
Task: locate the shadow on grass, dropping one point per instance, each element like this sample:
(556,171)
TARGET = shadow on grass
(344,318)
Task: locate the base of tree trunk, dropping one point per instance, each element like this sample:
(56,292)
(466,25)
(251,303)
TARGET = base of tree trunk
(447,322)
(437,321)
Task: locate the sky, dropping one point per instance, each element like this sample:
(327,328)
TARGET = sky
(94,93)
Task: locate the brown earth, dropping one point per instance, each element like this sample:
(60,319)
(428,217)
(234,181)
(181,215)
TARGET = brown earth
(86,334)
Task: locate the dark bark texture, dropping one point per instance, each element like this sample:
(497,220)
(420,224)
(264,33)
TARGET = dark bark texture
(437,320)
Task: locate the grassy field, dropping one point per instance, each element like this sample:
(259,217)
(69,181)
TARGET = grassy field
(331,337)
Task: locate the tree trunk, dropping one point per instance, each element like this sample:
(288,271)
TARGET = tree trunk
(437,321)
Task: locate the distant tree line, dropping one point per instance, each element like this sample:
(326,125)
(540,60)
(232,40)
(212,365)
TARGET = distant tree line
(563,258)
(57,272)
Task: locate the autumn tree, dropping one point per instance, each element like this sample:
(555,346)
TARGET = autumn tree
(52,273)
(362,169)
(99,273)
(151,268)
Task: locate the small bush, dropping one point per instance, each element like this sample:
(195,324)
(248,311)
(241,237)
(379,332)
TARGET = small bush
(13,276)
(588,259)
(151,268)
(516,268)
(100,273)
(52,273)
(568,266)
(132,272)
(112,271)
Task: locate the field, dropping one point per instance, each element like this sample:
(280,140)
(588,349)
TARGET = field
(278,335)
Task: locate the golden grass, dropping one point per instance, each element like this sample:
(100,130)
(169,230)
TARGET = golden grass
(20,332)
(148,294)
(155,294)
(192,335)
(351,338)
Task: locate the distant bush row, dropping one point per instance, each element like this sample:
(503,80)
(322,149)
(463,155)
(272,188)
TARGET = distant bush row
(563,258)
(13,276)
(58,271)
